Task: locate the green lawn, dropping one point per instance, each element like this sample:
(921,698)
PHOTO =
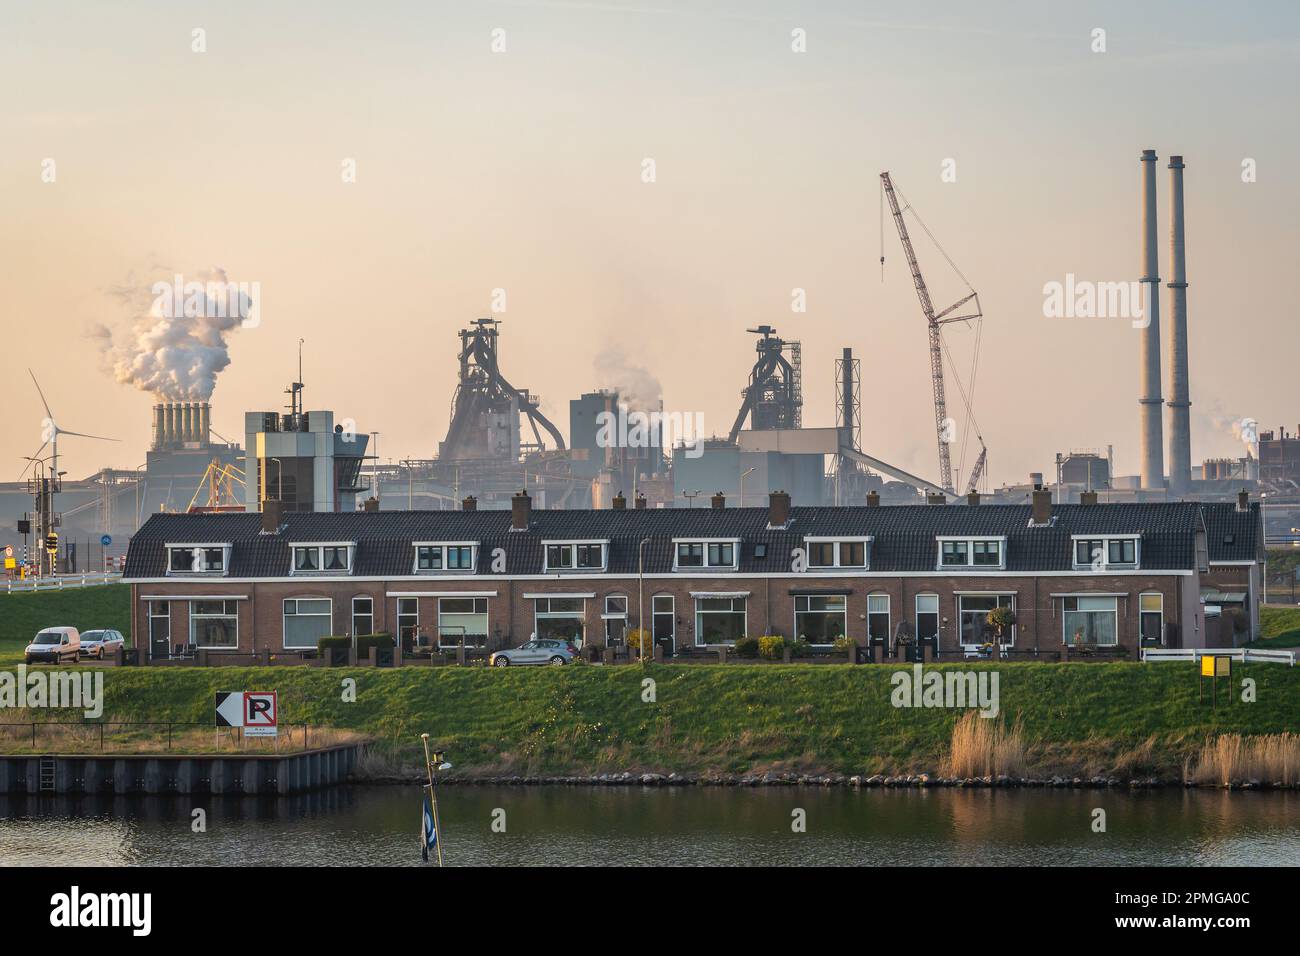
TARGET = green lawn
(1279,627)
(1079,718)
(23,614)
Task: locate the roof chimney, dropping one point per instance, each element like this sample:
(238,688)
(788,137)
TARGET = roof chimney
(371,504)
(972,497)
(640,502)
(778,509)
(270,516)
(719,501)
(1087,497)
(1243,500)
(619,503)
(469,503)
(1042,513)
(936,499)
(521,509)
(873,499)
(1153,457)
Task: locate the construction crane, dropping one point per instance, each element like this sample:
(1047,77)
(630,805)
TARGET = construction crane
(935,321)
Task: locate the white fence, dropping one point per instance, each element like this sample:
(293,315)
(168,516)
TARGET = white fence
(62,581)
(1247,655)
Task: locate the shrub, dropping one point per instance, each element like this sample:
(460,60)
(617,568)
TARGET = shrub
(325,643)
(843,644)
(800,647)
(746,647)
(367,641)
(771,648)
(638,639)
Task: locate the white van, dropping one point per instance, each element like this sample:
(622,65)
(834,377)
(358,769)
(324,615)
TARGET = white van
(54,644)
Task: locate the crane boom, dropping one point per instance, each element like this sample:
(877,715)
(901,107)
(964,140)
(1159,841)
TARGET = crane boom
(942,424)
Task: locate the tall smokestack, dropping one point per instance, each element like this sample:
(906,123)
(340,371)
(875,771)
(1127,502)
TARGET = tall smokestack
(169,422)
(1153,465)
(187,421)
(1180,424)
(159,427)
(205,423)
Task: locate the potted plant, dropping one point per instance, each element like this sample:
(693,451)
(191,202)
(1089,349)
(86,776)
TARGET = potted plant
(1000,619)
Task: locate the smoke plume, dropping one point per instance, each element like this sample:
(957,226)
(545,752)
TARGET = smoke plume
(172,338)
(636,386)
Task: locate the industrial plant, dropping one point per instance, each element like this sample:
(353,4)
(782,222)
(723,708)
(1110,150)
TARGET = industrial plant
(498,442)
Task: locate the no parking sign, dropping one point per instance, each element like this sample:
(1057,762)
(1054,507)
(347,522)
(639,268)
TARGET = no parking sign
(256,711)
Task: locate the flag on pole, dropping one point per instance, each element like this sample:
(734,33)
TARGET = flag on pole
(428,833)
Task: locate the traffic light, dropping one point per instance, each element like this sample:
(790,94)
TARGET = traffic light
(52,542)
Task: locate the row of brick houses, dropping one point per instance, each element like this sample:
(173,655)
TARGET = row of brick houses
(1106,576)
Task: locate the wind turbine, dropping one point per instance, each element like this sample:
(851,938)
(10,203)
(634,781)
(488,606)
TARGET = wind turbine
(53,430)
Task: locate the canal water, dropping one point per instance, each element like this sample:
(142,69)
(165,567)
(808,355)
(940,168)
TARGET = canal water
(550,826)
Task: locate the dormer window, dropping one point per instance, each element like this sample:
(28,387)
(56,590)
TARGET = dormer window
(576,555)
(1106,553)
(836,553)
(432,557)
(717,554)
(333,557)
(198,558)
(972,552)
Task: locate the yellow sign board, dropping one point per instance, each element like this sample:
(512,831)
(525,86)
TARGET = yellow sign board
(1216,665)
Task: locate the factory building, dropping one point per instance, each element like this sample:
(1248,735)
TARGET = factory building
(302,460)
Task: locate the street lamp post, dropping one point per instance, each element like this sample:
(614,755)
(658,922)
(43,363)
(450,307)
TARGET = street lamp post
(640,597)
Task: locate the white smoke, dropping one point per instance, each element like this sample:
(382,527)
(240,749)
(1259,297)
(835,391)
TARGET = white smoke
(636,386)
(171,341)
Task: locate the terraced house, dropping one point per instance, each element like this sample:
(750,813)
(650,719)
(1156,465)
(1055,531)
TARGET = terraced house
(1096,576)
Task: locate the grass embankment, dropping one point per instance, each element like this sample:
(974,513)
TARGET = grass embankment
(1279,627)
(22,614)
(1081,719)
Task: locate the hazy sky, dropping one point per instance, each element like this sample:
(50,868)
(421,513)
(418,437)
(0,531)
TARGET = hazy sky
(522,170)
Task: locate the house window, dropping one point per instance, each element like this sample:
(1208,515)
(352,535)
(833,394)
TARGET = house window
(954,552)
(1152,611)
(306,621)
(363,615)
(1090,621)
(196,560)
(560,618)
(927,619)
(408,618)
(719,620)
(462,618)
(973,611)
(971,552)
(567,557)
(706,554)
(444,557)
(335,558)
(306,559)
(878,618)
(214,624)
(615,619)
(1101,553)
(820,619)
(836,554)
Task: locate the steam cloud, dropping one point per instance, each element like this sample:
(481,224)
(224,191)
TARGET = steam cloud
(174,346)
(636,386)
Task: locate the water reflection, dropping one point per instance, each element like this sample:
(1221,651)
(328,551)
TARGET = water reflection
(360,826)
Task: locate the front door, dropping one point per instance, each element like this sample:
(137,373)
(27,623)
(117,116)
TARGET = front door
(663,621)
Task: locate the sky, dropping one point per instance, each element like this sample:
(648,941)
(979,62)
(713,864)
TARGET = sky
(523,169)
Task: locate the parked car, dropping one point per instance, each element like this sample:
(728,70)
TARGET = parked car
(54,644)
(99,644)
(544,651)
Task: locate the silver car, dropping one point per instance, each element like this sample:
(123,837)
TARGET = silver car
(543,651)
(100,644)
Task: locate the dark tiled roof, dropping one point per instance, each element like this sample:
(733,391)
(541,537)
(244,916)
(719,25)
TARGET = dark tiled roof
(1231,535)
(904,536)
